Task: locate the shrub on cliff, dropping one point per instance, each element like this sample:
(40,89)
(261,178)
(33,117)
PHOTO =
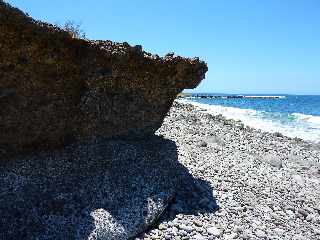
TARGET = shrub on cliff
(74,29)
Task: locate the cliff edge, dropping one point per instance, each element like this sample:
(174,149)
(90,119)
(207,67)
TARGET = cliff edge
(55,88)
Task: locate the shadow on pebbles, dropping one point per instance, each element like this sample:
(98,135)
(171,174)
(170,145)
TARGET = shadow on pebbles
(101,189)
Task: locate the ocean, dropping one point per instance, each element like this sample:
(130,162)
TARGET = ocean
(292,115)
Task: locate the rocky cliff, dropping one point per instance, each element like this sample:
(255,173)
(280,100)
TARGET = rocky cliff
(55,88)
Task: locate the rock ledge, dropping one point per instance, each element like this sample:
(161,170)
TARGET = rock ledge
(55,88)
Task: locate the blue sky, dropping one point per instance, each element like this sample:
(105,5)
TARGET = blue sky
(251,46)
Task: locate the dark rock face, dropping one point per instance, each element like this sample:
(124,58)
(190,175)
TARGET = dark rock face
(54,88)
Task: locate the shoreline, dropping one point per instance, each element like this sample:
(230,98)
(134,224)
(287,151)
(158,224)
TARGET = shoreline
(252,122)
(199,177)
(265,185)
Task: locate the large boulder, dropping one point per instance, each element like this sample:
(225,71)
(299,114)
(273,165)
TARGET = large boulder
(55,88)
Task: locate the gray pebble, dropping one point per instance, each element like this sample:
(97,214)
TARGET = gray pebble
(214,231)
(260,234)
(186,228)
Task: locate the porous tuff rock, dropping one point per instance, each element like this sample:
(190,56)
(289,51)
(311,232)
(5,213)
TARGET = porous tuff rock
(55,88)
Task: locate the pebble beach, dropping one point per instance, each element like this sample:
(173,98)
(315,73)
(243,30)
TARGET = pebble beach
(102,140)
(248,184)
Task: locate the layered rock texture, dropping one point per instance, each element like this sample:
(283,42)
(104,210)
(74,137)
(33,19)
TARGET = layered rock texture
(55,88)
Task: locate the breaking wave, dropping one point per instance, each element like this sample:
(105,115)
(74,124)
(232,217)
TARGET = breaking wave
(307,118)
(306,127)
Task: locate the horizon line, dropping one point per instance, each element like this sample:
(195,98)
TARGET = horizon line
(241,93)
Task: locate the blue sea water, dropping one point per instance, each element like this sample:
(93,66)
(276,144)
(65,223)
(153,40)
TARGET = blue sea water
(291,115)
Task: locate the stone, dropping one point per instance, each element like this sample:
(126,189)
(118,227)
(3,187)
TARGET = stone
(273,160)
(183,233)
(238,229)
(215,140)
(55,89)
(310,217)
(203,144)
(199,237)
(197,223)
(230,236)
(214,231)
(247,234)
(204,201)
(175,230)
(162,227)
(167,237)
(299,237)
(169,55)
(200,229)
(303,212)
(298,179)
(290,212)
(279,231)
(97,189)
(260,234)
(186,228)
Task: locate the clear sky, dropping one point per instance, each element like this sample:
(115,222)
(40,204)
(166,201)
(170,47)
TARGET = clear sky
(251,46)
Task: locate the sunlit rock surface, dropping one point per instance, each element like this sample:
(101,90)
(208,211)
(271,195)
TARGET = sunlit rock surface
(56,89)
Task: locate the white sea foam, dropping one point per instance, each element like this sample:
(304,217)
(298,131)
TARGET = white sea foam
(303,126)
(307,118)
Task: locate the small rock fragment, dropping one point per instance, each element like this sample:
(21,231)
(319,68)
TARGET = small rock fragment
(214,231)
